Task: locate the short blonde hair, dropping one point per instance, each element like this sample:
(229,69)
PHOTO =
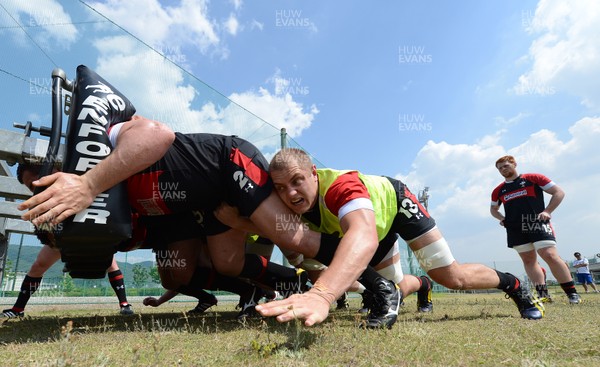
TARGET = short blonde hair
(285,157)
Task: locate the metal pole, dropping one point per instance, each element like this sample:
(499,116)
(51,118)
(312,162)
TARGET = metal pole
(283,135)
(17,262)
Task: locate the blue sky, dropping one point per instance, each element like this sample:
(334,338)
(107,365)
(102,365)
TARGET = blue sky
(426,91)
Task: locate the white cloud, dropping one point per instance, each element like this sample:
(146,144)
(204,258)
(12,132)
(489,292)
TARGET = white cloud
(232,25)
(255,24)
(161,91)
(237,4)
(461,178)
(41,19)
(507,122)
(280,111)
(173,27)
(565,56)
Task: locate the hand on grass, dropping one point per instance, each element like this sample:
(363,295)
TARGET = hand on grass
(310,307)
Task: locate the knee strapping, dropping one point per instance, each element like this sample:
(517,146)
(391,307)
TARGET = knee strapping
(435,255)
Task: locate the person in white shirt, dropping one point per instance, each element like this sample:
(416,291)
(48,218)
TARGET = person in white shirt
(584,275)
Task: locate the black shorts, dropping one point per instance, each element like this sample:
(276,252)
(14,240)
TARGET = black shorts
(518,233)
(412,219)
(162,230)
(385,245)
(199,172)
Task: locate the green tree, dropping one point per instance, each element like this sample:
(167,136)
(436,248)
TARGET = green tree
(68,285)
(154,276)
(140,276)
(8,273)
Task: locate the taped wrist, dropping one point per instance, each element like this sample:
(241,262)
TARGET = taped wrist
(322,291)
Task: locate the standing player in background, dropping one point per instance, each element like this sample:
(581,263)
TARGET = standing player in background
(584,275)
(527,222)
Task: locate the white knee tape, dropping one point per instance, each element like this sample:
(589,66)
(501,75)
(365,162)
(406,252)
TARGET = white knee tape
(435,255)
(392,272)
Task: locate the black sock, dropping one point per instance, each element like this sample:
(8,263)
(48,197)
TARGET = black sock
(28,287)
(229,284)
(206,278)
(568,287)
(508,282)
(118,285)
(327,247)
(425,284)
(542,290)
(258,269)
(368,278)
(195,288)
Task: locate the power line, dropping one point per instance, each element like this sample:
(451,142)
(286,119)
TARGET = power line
(175,64)
(31,38)
(108,20)
(25,80)
(51,24)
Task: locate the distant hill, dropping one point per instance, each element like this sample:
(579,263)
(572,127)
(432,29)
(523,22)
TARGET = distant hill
(28,255)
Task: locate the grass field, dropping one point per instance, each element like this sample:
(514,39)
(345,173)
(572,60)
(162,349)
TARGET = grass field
(463,330)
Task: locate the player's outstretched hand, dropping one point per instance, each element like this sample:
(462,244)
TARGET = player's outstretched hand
(66,194)
(151,301)
(309,306)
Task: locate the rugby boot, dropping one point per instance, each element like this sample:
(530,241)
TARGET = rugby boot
(204,303)
(9,313)
(387,298)
(126,309)
(574,298)
(248,304)
(529,305)
(543,294)
(367,301)
(342,302)
(271,295)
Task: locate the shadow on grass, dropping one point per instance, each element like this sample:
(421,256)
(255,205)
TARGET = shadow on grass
(50,328)
(45,328)
(446,317)
(408,316)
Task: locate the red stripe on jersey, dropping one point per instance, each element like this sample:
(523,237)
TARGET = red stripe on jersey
(144,194)
(344,189)
(413,198)
(254,172)
(536,178)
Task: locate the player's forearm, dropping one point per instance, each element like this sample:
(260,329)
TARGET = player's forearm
(496,213)
(137,148)
(350,260)
(554,202)
(167,296)
(246,225)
